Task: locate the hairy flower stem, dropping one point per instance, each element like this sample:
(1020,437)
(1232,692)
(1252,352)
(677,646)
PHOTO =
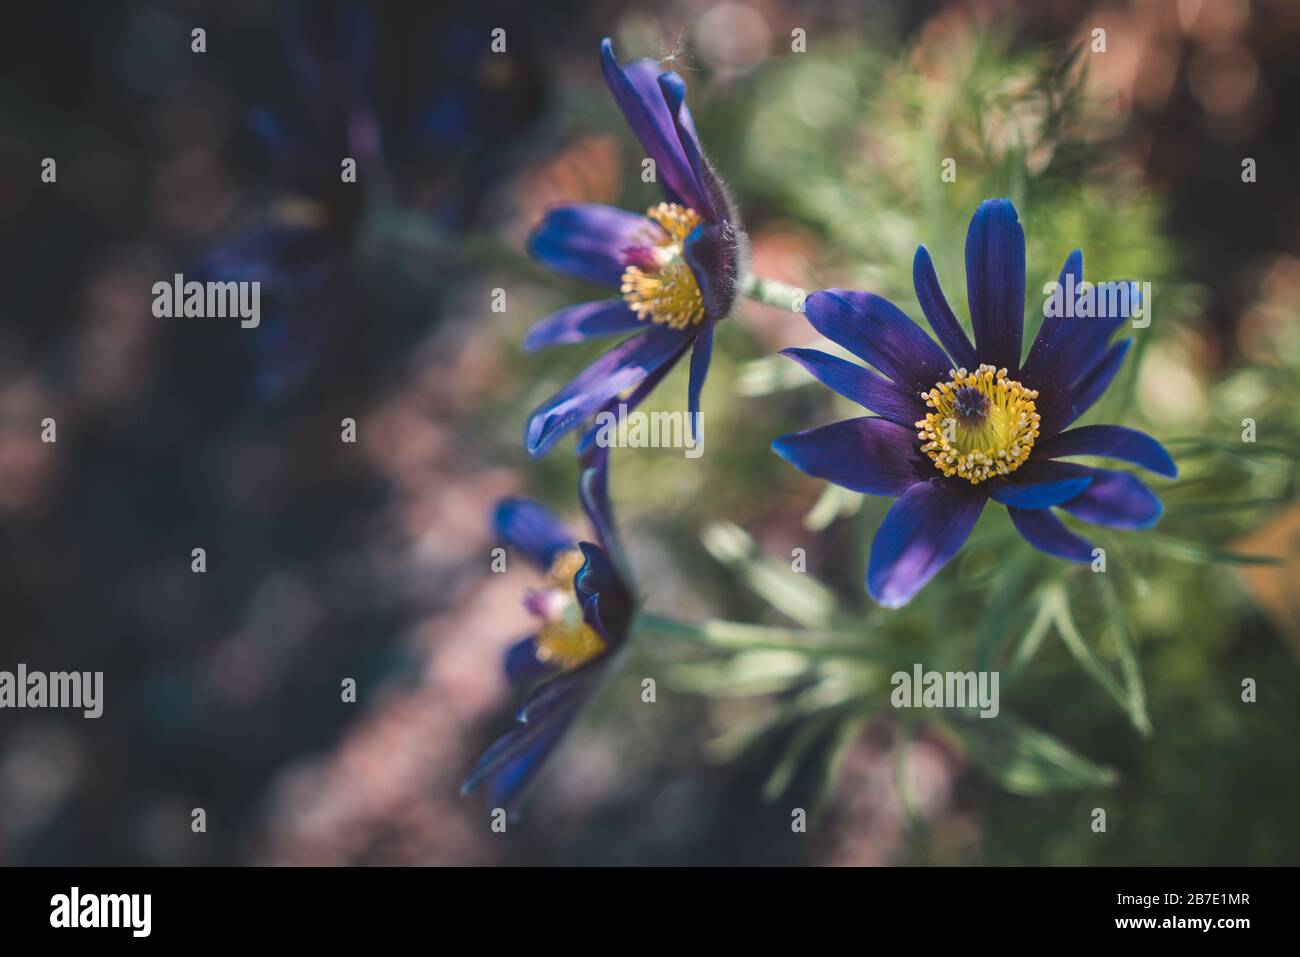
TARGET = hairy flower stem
(772,292)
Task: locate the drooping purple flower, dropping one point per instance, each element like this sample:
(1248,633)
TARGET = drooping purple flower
(584,613)
(957,424)
(675,268)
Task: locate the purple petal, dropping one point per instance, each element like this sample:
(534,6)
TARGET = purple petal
(522,665)
(588,442)
(1111,441)
(1047,533)
(587,240)
(1059,407)
(589,320)
(873,456)
(593,492)
(599,578)
(939,314)
(559,692)
(874,393)
(712,252)
(530,527)
(636,90)
(1039,484)
(1117,500)
(877,332)
(673,89)
(922,531)
(699,370)
(1067,345)
(621,368)
(995,283)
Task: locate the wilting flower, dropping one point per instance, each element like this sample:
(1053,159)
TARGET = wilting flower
(583,616)
(960,426)
(675,267)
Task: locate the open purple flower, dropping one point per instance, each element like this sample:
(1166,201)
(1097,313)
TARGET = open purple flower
(675,267)
(583,614)
(959,424)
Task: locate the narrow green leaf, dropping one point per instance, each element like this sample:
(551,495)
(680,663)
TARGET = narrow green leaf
(1023,759)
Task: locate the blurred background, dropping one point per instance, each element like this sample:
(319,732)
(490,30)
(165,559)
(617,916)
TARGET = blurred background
(328,560)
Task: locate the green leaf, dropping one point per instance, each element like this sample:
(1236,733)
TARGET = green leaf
(1025,760)
(1134,704)
(834,502)
(1204,554)
(797,595)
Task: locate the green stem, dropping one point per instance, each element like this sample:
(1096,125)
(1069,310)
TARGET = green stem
(772,292)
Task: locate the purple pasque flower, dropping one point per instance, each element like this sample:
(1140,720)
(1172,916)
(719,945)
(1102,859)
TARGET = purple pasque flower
(959,424)
(583,613)
(675,268)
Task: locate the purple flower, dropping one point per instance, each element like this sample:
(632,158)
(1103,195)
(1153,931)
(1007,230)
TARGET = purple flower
(584,613)
(959,424)
(675,267)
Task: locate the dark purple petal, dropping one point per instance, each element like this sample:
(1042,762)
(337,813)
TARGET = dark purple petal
(873,456)
(1059,407)
(1117,500)
(995,283)
(1068,345)
(1111,441)
(511,763)
(874,393)
(637,92)
(522,665)
(673,89)
(530,527)
(587,240)
(939,314)
(621,368)
(922,531)
(560,692)
(513,779)
(589,320)
(712,252)
(1047,533)
(629,403)
(593,492)
(699,371)
(599,578)
(876,331)
(1052,351)
(1039,484)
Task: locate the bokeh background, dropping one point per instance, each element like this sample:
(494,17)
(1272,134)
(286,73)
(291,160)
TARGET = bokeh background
(371,560)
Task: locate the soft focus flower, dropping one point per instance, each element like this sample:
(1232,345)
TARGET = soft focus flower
(301,247)
(583,615)
(960,424)
(675,267)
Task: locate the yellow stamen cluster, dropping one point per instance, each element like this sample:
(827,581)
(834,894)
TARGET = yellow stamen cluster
(563,568)
(564,639)
(986,431)
(669,294)
(568,643)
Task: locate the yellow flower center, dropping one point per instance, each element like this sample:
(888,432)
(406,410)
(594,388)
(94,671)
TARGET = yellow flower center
(564,567)
(564,639)
(568,643)
(983,424)
(660,285)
